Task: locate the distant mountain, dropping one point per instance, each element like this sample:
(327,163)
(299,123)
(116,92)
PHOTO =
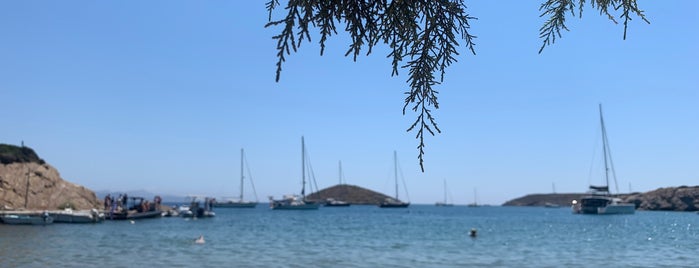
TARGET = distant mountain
(352,194)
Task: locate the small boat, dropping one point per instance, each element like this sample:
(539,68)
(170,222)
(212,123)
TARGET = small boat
(394,202)
(27,219)
(239,203)
(138,208)
(332,202)
(475,199)
(444,204)
(599,199)
(551,205)
(197,210)
(77,216)
(296,202)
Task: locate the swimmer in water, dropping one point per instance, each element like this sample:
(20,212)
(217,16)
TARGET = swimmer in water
(472,233)
(200,240)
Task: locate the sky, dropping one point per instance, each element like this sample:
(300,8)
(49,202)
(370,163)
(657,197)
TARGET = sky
(162,95)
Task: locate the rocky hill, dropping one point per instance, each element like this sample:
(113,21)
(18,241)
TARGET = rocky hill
(539,200)
(683,198)
(349,193)
(27,182)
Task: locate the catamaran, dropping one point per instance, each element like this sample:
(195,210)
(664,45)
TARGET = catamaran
(599,199)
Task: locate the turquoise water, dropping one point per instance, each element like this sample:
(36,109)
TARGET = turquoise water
(365,236)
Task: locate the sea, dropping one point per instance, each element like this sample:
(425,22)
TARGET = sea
(365,236)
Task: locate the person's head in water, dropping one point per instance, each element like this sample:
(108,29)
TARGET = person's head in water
(472,233)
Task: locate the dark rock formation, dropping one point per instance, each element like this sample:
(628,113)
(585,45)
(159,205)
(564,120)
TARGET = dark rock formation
(681,198)
(349,193)
(15,154)
(540,200)
(26,182)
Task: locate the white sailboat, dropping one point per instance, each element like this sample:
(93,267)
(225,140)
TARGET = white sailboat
(599,199)
(240,202)
(394,202)
(332,202)
(296,202)
(444,203)
(475,199)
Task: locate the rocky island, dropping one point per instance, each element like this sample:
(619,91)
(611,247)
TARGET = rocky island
(28,182)
(682,198)
(352,194)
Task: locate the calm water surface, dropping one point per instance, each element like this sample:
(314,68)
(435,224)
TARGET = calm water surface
(365,236)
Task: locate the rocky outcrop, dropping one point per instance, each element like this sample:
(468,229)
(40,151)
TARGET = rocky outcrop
(683,198)
(30,183)
(349,193)
(540,200)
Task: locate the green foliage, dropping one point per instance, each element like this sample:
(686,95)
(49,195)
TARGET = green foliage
(423,36)
(15,154)
(556,11)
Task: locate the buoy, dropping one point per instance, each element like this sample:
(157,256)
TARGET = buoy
(200,240)
(473,232)
(132,222)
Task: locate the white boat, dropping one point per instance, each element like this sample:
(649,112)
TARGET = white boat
(296,202)
(332,202)
(196,209)
(599,199)
(77,216)
(27,219)
(444,203)
(239,203)
(395,202)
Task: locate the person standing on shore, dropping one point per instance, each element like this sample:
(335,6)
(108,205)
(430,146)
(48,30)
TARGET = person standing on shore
(107,201)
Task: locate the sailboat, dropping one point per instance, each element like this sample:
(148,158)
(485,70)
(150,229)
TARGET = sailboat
(599,200)
(332,202)
(444,204)
(475,199)
(239,203)
(394,202)
(296,202)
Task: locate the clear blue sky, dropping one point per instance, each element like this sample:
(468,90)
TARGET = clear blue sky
(161,96)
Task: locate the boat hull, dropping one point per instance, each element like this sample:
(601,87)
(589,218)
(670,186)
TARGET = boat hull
(77,216)
(337,205)
(604,205)
(394,205)
(134,215)
(27,219)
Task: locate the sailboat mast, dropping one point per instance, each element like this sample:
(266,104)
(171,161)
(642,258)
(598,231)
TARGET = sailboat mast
(395,171)
(242,176)
(445,191)
(604,147)
(339,173)
(303,168)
